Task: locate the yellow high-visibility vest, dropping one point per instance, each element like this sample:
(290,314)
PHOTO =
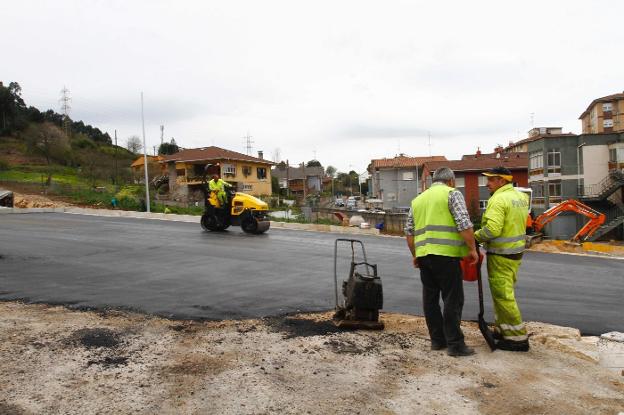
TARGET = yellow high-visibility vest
(503,226)
(435,230)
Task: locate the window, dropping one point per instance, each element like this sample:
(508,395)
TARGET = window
(536,163)
(408,175)
(181,172)
(554,161)
(607,106)
(538,189)
(247,187)
(460,182)
(246,171)
(262,173)
(229,170)
(538,193)
(613,155)
(607,123)
(482,181)
(554,192)
(482,204)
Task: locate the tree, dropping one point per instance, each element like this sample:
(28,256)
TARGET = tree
(133,144)
(275,186)
(48,141)
(12,108)
(313,163)
(168,148)
(330,171)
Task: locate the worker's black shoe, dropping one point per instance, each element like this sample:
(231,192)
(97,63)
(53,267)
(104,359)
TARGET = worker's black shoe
(438,346)
(513,346)
(462,350)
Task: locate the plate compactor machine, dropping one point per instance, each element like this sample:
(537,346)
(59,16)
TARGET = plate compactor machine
(362,292)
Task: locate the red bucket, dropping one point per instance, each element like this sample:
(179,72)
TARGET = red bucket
(470,272)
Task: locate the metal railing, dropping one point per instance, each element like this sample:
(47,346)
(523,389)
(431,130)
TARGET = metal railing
(602,189)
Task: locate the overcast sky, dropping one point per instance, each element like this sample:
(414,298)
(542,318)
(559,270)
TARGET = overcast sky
(346,81)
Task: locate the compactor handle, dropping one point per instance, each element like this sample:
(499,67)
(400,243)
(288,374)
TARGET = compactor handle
(352,242)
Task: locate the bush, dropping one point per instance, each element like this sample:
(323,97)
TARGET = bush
(4,165)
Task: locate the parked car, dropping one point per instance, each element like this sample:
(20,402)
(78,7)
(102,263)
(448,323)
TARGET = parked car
(351,202)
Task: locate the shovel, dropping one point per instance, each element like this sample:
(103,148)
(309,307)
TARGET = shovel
(483,327)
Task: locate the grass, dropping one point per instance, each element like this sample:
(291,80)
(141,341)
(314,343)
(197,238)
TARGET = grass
(15,175)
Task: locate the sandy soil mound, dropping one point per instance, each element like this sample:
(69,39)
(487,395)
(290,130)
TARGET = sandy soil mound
(54,360)
(21,200)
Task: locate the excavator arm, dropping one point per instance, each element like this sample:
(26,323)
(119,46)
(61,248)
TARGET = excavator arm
(596,219)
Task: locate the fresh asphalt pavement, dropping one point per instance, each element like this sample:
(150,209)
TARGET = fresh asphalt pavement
(176,270)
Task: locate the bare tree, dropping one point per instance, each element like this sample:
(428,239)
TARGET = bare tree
(133,144)
(48,141)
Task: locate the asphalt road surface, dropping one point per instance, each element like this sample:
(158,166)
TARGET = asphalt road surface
(176,270)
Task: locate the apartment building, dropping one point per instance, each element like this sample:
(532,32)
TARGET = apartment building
(522,146)
(604,115)
(587,167)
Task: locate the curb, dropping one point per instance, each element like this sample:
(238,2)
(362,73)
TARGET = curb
(187,218)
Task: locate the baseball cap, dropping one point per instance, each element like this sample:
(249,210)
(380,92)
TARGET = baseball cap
(499,171)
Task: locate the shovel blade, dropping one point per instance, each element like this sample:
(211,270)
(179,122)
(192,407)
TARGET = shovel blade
(487,334)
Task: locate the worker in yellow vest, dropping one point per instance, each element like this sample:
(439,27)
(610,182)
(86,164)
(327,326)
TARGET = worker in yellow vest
(503,236)
(439,234)
(218,185)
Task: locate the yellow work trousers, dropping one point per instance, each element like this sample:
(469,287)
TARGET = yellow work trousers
(502,275)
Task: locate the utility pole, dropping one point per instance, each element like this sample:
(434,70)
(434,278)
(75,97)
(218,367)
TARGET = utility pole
(429,143)
(147,197)
(65,107)
(116,179)
(162,134)
(248,143)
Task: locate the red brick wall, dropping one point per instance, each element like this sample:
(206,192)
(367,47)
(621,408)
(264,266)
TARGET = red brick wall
(471,190)
(521,177)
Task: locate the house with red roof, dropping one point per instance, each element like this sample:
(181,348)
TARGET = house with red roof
(247,174)
(470,180)
(395,180)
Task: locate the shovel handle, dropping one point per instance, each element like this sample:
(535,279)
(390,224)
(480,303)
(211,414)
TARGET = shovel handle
(479,282)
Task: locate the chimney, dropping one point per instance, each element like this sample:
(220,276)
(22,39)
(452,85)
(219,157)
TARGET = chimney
(260,154)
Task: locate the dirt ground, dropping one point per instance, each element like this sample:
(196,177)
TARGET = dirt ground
(59,361)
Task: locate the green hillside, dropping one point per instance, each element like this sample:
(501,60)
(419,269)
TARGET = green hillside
(46,152)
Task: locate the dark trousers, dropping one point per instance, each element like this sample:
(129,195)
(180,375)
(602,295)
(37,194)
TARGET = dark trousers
(442,276)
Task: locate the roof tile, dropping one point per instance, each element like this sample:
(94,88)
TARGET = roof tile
(211,153)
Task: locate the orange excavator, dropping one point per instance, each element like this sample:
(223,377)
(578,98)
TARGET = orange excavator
(596,220)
